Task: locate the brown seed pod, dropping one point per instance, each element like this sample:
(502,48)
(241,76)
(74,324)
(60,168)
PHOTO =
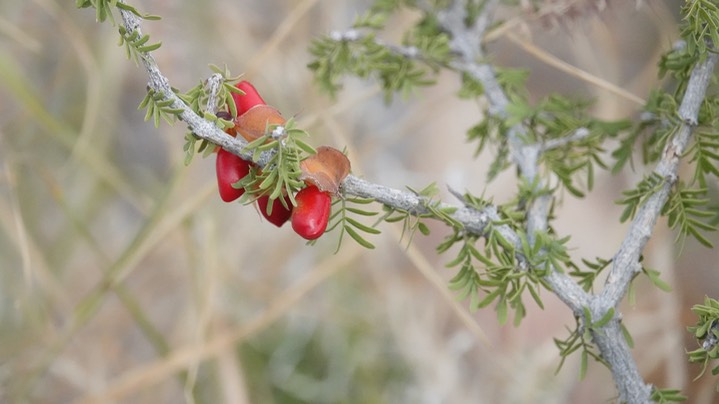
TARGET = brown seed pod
(254,123)
(326,169)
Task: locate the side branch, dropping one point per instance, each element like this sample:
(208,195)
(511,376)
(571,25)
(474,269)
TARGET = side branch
(466,42)
(609,338)
(626,261)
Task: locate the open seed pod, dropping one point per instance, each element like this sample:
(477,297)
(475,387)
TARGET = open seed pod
(254,123)
(326,169)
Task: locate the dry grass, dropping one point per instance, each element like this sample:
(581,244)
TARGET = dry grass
(124,278)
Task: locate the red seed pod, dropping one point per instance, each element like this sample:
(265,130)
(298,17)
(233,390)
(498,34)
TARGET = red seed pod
(249,100)
(280,214)
(310,216)
(230,169)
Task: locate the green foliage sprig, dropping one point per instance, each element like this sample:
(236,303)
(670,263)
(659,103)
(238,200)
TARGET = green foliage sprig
(705,153)
(399,68)
(557,118)
(197,99)
(413,221)
(586,278)
(658,123)
(136,45)
(432,203)
(501,280)
(158,107)
(571,140)
(685,212)
(281,172)
(635,198)
(492,129)
(700,26)
(341,219)
(700,35)
(662,396)
(105,8)
(706,331)
(580,338)
(363,56)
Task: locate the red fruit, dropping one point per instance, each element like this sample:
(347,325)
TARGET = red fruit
(310,216)
(247,101)
(230,169)
(280,214)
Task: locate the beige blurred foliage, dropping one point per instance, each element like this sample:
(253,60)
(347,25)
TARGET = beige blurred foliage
(123,277)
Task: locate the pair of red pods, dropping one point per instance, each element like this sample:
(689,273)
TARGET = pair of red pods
(311,214)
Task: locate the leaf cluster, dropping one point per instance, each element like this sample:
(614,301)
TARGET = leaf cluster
(545,253)
(105,8)
(699,30)
(197,99)
(556,122)
(493,129)
(705,154)
(677,63)
(700,26)
(580,338)
(158,106)
(657,124)
(667,395)
(415,221)
(685,210)
(136,45)
(586,278)
(635,198)
(432,205)
(654,277)
(342,219)
(281,172)
(706,331)
(493,272)
(400,69)
(379,12)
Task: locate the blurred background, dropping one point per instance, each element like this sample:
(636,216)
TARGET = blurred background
(124,277)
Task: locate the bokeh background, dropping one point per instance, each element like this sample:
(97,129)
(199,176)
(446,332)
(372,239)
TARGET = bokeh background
(124,278)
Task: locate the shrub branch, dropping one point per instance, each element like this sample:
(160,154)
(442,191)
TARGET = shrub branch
(466,44)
